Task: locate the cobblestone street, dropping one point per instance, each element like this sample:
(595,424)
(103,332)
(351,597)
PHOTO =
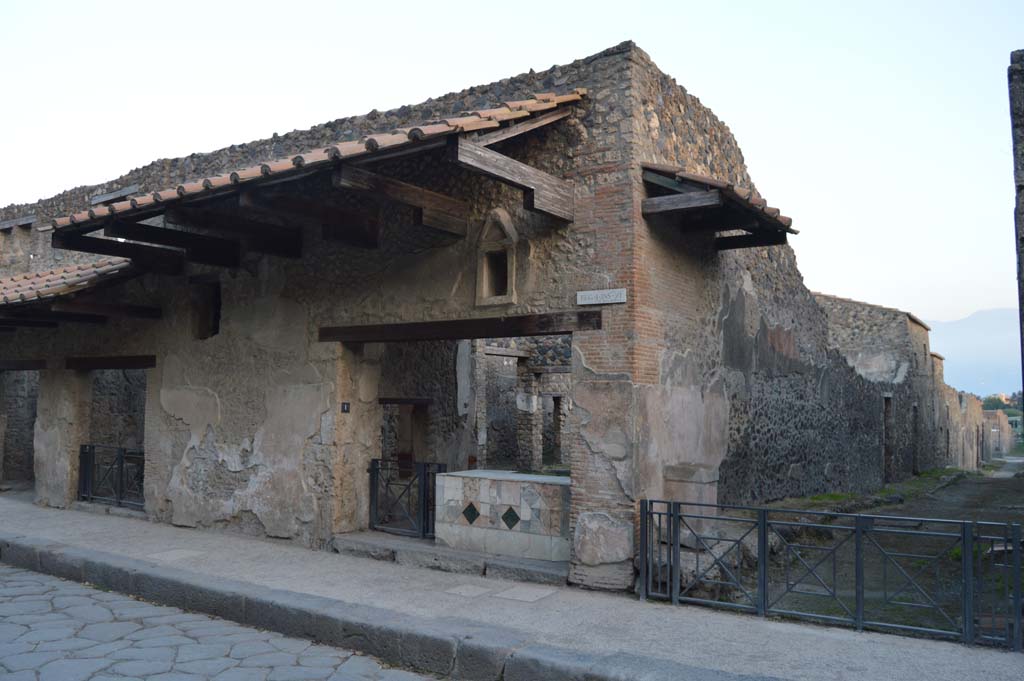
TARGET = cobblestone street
(54,630)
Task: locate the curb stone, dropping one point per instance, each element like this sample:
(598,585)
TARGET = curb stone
(461,649)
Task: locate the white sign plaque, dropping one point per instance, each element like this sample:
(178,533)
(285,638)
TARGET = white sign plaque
(602,297)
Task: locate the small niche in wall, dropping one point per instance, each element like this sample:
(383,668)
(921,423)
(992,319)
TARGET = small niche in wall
(205,301)
(495,273)
(496,260)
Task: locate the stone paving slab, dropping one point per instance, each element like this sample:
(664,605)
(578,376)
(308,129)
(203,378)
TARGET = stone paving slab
(46,635)
(382,608)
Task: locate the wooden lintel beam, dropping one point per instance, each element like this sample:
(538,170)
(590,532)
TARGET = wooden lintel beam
(22,364)
(550,324)
(500,135)
(108,309)
(542,192)
(765,238)
(200,248)
(162,260)
(122,362)
(438,210)
(259,235)
(681,203)
(422,401)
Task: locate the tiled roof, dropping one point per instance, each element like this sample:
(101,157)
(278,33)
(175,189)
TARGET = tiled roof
(467,122)
(38,286)
(745,197)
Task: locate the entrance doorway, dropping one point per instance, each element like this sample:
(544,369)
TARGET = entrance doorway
(20,392)
(887,438)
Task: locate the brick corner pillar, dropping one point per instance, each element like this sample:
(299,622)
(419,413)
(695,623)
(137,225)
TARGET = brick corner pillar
(529,419)
(61,428)
(1015,76)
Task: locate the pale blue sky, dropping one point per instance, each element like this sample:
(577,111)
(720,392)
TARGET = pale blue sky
(882,128)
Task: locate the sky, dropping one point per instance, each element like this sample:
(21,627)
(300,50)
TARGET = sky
(881,128)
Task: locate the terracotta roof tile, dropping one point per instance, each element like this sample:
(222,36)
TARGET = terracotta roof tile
(476,120)
(35,286)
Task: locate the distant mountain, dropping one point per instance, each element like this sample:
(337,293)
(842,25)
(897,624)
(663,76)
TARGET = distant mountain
(982,351)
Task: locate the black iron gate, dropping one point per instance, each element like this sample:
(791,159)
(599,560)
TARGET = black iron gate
(402,496)
(111,475)
(945,578)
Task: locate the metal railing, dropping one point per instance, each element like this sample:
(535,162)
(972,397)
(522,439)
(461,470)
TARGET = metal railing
(945,578)
(111,475)
(402,496)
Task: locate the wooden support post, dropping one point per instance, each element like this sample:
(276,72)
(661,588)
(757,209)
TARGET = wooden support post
(542,192)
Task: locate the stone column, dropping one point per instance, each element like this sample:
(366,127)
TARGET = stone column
(62,426)
(357,430)
(529,419)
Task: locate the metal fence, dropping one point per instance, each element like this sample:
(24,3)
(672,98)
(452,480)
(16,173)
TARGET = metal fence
(111,475)
(944,578)
(402,496)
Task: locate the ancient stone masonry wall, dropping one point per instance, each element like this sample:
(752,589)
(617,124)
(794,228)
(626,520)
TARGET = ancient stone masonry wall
(997,435)
(19,391)
(118,408)
(433,370)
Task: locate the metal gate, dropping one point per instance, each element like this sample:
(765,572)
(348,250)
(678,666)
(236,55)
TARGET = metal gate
(111,475)
(402,496)
(944,578)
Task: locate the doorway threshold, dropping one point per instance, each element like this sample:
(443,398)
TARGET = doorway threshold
(427,554)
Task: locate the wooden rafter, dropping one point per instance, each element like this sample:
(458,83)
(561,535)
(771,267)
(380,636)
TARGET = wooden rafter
(493,137)
(550,324)
(761,238)
(107,309)
(542,192)
(260,235)
(165,260)
(336,222)
(22,364)
(676,204)
(434,210)
(200,248)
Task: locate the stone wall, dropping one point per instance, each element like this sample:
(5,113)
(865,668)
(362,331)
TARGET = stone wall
(20,390)
(998,438)
(118,408)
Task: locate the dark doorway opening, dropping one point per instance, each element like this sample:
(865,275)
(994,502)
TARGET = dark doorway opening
(20,391)
(887,437)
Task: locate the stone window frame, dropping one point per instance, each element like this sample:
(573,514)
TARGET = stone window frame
(497,218)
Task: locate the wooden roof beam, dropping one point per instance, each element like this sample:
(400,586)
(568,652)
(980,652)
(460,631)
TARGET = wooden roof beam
(116,362)
(162,260)
(336,222)
(500,135)
(676,204)
(260,235)
(107,309)
(542,192)
(207,250)
(763,238)
(434,210)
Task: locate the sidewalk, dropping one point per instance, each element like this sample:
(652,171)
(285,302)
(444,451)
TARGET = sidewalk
(587,622)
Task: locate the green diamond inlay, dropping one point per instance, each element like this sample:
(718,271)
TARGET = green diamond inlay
(510,517)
